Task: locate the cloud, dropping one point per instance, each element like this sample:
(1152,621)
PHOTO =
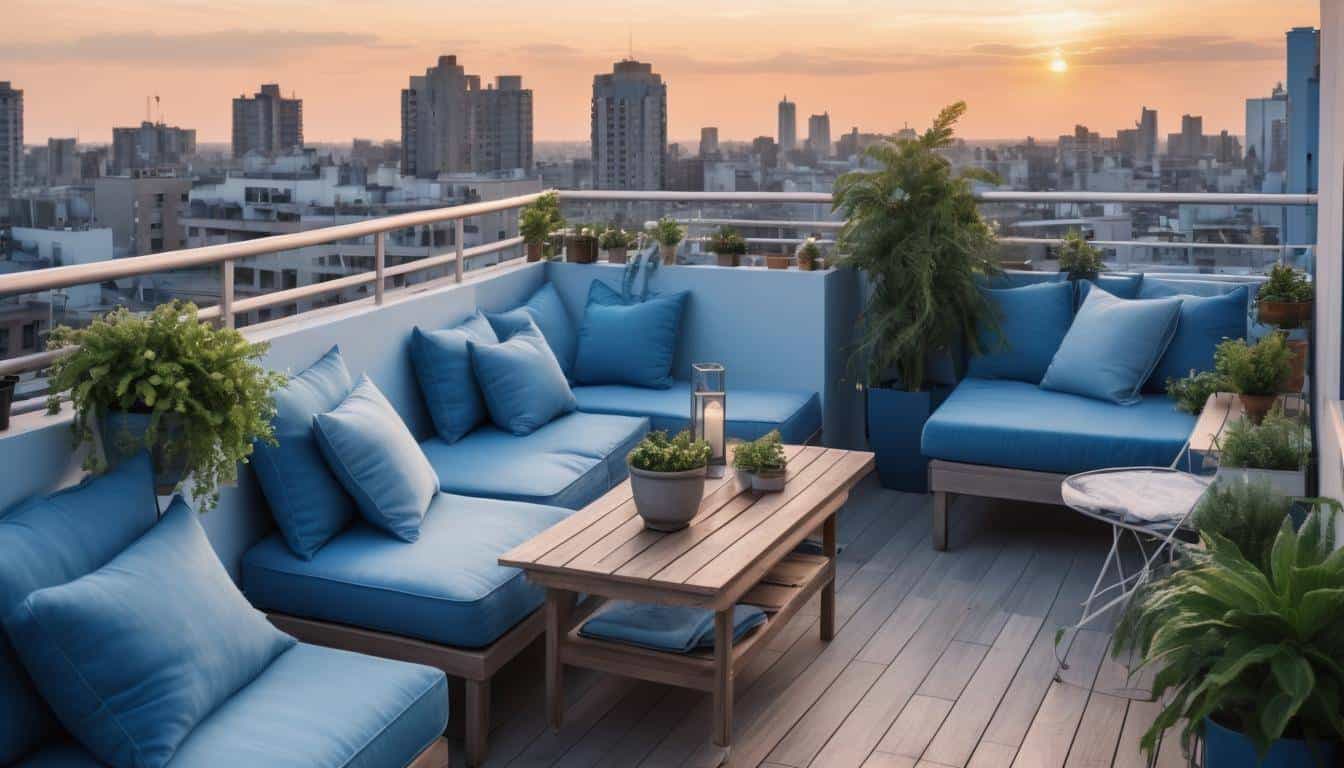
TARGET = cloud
(231,46)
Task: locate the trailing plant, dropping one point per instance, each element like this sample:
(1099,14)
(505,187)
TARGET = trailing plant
(1193,391)
(1254,369)
(1277,443)
(765,454)
(1078,258)
(1287,285)
(1256,649)
(540,218)
(615,237)
(170,365)
(913,227)
(1248,514)
(727,242)
(659,453)
(667,231)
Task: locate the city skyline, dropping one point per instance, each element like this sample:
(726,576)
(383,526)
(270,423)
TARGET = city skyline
(1034,71)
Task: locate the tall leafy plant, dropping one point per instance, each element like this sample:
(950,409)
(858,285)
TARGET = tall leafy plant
(913,228)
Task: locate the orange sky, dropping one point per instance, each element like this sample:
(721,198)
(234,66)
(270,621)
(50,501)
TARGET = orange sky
(86,65)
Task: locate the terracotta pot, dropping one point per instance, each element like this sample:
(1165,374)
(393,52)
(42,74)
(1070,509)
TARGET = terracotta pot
(806,265)
(729,259)
(668,252)
(581,250)
(1285,314)
(1256,406)
(1297,378)
(618,255)
(777,262)
(534,251)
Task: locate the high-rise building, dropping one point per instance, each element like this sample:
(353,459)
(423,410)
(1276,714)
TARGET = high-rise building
(1188,145)
(788,125)
(501,137)
(11,141)
(436,121)
(267,122)
(154,145)
(819,134)
(709,142)
(1304,129)
(62,162)
(1266,130)
(629,127)
(144,210)
(1145,148)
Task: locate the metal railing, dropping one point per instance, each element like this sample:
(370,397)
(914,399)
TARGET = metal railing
(225,255)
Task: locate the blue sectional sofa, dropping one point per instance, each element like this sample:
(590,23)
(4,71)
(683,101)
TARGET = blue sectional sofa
(1012,439)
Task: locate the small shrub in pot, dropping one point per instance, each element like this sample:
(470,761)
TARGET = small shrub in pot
(764,460)
(667,478)
(1256,372)
(728,246)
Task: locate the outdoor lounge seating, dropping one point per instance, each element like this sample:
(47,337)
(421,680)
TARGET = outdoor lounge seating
(751,412)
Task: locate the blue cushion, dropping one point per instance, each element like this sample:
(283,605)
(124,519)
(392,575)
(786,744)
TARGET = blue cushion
(567,463)
(307,503)
(1205,321)
(50,540)
(1126,286)
(443,369)
(132,656)
(548,312)
(1113,347)
(447,587)
(1017,278)
(523,384)
(1032,321)
(628,343)
(1017,425)
(796,413)
(376,459)
(672,628)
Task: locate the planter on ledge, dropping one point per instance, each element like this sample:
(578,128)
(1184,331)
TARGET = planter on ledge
(1226,748)
(895,426)
(123,433)
(777,262)
(581,250)
(1257,407)
(729,259)
(535,251)
(1292,483)
(667,500)
(618,255)
(1285,314)
(668,252)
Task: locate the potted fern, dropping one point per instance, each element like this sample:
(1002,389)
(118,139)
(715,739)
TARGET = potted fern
(1275,452)
(668,233)
(1078,258)
(913,228)
(763,460)
(191,393)
(536,222)
(616,242)
(728,246)
(1256,372)
(667,479)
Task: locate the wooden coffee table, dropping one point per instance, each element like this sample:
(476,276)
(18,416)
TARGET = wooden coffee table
(739,548)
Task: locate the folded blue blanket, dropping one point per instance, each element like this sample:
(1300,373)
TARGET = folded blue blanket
(677,629)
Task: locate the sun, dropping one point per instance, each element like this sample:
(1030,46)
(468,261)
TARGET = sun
(1058,64)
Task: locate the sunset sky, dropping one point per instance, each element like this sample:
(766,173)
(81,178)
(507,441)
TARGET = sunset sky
(1030,67)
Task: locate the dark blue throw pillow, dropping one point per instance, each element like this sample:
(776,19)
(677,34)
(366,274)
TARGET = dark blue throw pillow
(443,369)
(1032,321)
(628,343)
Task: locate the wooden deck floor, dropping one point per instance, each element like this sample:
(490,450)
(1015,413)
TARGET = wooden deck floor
(941,659)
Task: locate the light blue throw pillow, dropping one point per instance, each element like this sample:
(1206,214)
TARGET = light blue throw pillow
(377,460)
(523,385)
(135,654)
(547,311)
(307,503)
(1032,321)
(632,343)
(443,369)
(1113,347)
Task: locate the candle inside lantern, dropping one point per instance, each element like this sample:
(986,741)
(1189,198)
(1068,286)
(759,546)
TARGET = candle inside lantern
(714,428)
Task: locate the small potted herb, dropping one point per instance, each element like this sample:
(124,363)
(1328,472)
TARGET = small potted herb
(1286,298)
(809,253)
(1193,392)
(616,242)
(728,246)
(537,221)
(1275,451)
(668,233)
(1256,372)
(1078,258)
(7,385)
(667,478)
(581,243)
(764,461)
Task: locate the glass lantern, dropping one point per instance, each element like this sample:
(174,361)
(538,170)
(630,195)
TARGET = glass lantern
(709,410)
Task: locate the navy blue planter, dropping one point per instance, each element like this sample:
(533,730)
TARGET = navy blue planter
(895,424)
(1226,748)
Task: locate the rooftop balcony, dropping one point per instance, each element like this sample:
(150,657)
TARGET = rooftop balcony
(944,605)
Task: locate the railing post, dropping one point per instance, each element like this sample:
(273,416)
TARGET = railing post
(226,293)
(458,235)
(379,265)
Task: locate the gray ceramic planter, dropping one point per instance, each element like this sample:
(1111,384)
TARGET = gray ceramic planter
(667,500)
(768,481)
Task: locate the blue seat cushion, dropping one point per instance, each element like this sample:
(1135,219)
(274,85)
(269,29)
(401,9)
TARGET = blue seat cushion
(523,384)
(628,343)
(446,587)
(1017,425)
(1032,321)
(548,312)
(52,540)
(752,413)
(567,463)
(133,655)
(443,370)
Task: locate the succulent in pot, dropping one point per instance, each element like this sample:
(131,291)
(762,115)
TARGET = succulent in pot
(1286,298)
(194,394)
(536,223)
(764,460)
(729,246)
(616,242)
(1078,258)
(809,253)
(1256,372)
(667,479)
(668,233)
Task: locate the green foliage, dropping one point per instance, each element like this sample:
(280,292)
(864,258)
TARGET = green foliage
(1258,369)
(667,231)
(1277,443)
(540,218)
(169,363)
(615,237)
(912,226)
(659,453)
(809,250)
(1257,649)
(1079,258)
(1193,391)
(763,454)
(1286,284)
(1247,514)
(727,241)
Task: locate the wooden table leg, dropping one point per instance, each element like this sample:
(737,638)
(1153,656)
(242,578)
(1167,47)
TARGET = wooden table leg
(828,548)
(723,677)
(558,605)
